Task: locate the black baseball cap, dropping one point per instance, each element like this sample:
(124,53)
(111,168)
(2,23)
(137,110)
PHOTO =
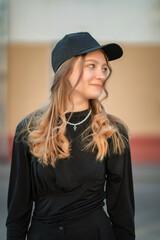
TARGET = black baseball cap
(75,44)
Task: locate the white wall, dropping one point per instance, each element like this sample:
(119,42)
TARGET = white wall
(120,20)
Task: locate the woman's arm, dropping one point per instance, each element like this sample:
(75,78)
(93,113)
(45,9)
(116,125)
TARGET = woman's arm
(120,193)
(19,191)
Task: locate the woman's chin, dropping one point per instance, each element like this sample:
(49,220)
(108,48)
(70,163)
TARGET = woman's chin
(95,96)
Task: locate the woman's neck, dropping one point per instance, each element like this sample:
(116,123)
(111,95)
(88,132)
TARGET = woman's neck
(77,107)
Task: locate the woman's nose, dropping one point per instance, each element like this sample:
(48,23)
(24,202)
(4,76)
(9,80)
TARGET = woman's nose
(100,74)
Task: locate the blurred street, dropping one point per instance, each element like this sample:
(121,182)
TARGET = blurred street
(147,198)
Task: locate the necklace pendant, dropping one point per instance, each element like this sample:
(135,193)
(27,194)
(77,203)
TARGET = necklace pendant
(75,127)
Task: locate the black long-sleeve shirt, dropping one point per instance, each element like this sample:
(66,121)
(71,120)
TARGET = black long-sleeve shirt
(77,186)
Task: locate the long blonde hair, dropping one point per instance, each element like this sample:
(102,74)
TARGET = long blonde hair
(46,128)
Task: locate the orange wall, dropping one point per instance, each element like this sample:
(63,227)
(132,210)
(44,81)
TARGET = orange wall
(134,90)
(28,78)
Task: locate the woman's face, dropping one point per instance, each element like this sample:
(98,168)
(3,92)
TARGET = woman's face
(93,76)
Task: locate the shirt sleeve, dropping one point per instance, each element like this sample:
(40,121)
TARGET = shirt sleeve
(19,192)
(120,193)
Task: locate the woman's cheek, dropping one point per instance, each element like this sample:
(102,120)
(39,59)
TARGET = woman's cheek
(88,75)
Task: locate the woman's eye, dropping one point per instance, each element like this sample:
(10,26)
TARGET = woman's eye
(91,65)
(104,69)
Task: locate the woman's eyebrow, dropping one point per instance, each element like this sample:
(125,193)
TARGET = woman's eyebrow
(93,60)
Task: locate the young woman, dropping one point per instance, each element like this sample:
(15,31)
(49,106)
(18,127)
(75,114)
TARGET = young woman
(70,157)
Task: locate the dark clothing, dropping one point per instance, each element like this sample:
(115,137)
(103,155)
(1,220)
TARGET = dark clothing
(73,190)
(93,226)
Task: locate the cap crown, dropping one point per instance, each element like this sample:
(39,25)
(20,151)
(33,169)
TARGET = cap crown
(71,45)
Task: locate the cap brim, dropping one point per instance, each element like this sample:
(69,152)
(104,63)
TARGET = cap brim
(112,50)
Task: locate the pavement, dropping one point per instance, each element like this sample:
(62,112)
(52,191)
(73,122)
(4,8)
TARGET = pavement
(147,200)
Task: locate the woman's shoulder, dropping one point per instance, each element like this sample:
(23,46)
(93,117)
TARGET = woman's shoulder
(29,118)
(119,124)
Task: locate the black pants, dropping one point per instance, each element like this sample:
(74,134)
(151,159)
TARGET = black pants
(94,226)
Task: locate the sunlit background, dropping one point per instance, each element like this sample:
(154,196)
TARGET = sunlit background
(28,32)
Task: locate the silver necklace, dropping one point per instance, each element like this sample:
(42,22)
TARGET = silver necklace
(75,124)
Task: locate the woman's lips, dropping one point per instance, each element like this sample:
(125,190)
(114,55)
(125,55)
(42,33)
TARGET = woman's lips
(96,85)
